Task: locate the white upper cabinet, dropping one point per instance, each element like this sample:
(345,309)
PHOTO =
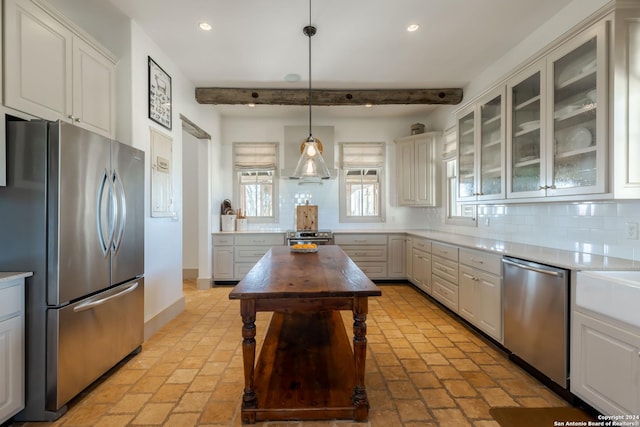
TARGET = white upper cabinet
(481,149)
(526,169)
(577,115)
(53,73)
(559,119)
(38,61)
(467,154)
(93,89)
(417,182)
(625,136)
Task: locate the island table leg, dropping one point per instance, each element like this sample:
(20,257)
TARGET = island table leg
(249,400)
(360,400)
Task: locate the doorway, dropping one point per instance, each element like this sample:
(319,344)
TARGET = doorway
(196,195)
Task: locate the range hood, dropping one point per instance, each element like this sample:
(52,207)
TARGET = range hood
(294,138)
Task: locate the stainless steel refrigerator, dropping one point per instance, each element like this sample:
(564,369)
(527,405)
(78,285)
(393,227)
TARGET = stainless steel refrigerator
(73,214)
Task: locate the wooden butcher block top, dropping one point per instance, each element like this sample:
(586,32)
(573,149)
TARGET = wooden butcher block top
(307,217)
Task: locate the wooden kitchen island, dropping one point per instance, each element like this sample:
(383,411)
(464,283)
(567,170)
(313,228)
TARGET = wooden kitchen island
(307,369)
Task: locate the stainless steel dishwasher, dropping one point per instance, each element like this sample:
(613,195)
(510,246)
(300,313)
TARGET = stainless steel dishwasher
(536,316)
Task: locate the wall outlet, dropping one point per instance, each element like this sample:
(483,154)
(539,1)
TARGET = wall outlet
(632,231)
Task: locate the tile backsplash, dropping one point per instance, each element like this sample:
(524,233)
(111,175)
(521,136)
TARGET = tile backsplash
(598,227)
(593,227)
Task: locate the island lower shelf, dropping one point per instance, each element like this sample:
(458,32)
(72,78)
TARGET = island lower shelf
(305,370)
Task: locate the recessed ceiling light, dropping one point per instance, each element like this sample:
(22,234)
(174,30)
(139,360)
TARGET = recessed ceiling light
(368,105)
(292,77)
(413,27)
(205,26)
(251,105)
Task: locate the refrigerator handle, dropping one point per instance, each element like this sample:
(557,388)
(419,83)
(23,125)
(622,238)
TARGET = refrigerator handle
(102,222)
(94,303)
(122,211)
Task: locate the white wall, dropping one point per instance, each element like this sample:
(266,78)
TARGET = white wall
(325,195)
(573,14)
(190,185)
(592,227)
(163,236)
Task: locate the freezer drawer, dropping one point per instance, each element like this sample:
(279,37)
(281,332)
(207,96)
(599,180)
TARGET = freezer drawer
(87,338)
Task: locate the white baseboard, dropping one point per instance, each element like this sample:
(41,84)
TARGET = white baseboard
(154,324)
(189,273)
(203,283)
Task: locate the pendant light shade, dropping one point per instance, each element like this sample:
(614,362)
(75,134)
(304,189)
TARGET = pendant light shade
(311,166)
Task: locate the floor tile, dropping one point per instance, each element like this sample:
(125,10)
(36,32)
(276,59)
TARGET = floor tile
(424,368)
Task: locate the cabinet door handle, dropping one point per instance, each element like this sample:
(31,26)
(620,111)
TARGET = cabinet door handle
(75,119)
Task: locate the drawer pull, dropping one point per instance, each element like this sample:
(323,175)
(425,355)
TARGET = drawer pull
(88,305)
(258,241)
(479,261)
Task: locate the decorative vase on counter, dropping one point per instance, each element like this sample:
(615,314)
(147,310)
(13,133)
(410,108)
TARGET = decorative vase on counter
(241,224)
(228,222)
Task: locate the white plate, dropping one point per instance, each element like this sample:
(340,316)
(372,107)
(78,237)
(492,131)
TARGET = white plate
(530,125)
(591,95)
(579,138)
(566,110)
(579,66)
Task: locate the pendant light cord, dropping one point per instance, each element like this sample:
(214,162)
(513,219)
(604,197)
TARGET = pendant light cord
(310,33)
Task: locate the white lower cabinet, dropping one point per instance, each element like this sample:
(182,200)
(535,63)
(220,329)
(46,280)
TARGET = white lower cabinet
(235,254)
(605,364)
(223,263)
(408,258)
(396,256)
(420,263)
(368,251)
(480,291)
(444,274)
(12,348)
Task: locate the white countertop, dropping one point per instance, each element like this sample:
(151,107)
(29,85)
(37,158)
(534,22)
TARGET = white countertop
(6,276)
(571,260)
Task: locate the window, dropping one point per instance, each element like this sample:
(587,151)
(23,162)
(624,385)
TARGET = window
(456,213)
(361,182)
(255,166)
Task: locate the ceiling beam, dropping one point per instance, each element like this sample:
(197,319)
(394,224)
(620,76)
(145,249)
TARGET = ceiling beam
(327,97)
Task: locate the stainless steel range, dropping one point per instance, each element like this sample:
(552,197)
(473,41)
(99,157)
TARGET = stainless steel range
(319,237)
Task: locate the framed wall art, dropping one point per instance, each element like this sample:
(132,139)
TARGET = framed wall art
(161,174)
(159,95)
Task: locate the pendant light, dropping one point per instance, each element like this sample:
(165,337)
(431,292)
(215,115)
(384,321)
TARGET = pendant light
(311,166)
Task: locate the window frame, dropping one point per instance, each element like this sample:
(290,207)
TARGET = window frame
(449,155)
(237,183)
(343,203)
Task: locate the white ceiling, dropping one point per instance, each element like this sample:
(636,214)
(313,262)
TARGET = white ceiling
(360,44)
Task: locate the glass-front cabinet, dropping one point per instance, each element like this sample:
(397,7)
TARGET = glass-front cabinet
(467,154)
(492,160)
(577,115)
(556,133)
(525,133)
(481,166)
